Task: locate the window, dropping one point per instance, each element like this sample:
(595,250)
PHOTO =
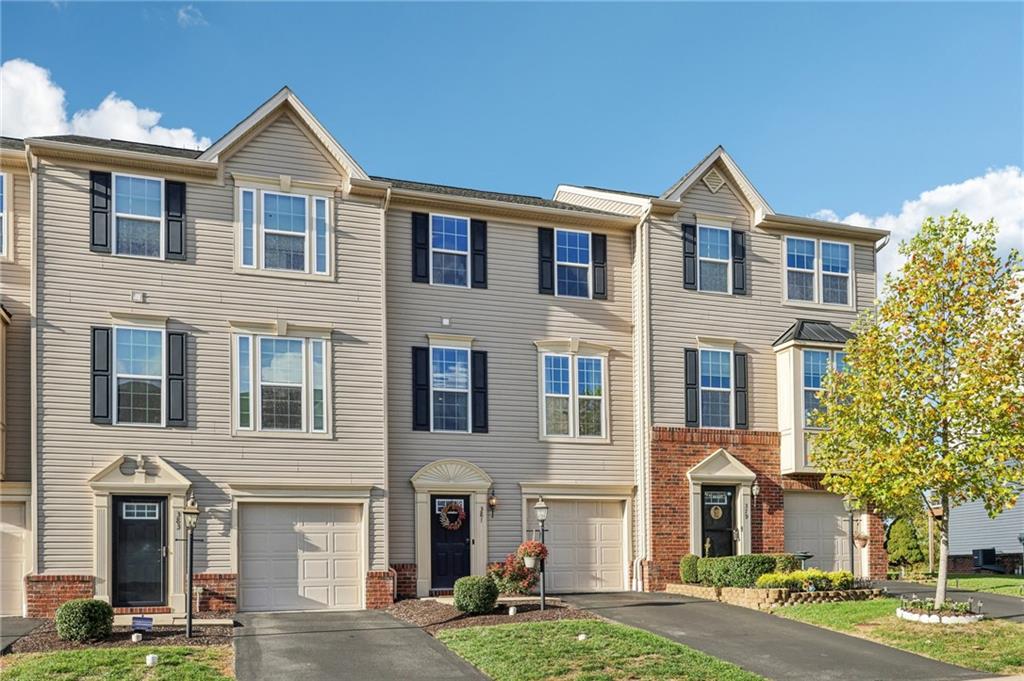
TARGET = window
(138,216)
(818,271)
(449,250)
(573,408)
(816,365)
(140,511)
(139,368)
(572,262)
(284,232)
(714,259)
(449,389)
(716,388)
(248,212)
(4,194)
(280,384)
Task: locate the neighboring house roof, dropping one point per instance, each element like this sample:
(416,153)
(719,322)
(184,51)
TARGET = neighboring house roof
(746,187)
(621,191)
(124,145)
(11,143)
(813,331)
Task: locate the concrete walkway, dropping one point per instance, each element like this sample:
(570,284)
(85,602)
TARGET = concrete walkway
(771,646)
(994,606)
(13,628)
(334,646)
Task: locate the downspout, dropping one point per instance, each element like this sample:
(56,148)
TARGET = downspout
(384,388)
(33,565)
(643,467)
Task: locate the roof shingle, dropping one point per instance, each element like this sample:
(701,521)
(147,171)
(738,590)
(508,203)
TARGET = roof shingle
(813,331)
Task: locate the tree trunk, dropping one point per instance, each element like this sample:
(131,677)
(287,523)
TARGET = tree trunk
(940,582)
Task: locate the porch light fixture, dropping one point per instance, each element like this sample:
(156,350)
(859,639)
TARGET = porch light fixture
(850,505)
(191,516)
(541,510)
(755,489)
(191,513)
(492,502)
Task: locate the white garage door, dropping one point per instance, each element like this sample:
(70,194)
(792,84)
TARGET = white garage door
(818,524)
(300,557)
(12,557)
(586,545)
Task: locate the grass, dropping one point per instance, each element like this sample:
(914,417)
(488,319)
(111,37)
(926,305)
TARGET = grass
(992,646)
(1008,585)
(180,663)
(611,652)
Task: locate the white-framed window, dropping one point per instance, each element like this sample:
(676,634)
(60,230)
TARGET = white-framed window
(450,390)
(280,384)
(139,376)
(137,510)
(5,197)
(572,263)
(714,259)
(716,387)
(283,232)
(138,216)
(449,250)
(817,363)
(573,396)
(818,271)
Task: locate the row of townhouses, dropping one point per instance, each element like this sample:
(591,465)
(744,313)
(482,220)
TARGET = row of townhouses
(366,383)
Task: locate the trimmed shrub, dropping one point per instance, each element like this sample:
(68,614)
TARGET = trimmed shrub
(476,595)
(779,580)
(841,580)
(737,571)
(711,571)
(84,619)
(785,562)
(803,580)
(688,569)
(512,576)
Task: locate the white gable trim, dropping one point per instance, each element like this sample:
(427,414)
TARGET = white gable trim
(752,196)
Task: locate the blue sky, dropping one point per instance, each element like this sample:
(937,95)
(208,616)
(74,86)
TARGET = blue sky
(849,107)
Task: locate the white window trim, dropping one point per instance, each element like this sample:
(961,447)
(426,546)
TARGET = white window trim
(117,375)
(604,394)
(818,274)
(311,342)
(131,216)
(848,275)
(260,232)
(731,389)
(6,233)
(468,390)
(327,236)
(544,395)
(727,261)
(573,396)
(255,228)
(260,383)
(803,383)
(466,253)
(237,387)
(788,269)
(264,231)
(587,267)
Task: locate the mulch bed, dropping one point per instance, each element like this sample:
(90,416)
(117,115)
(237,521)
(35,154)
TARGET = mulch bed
(432,616)
(44,638)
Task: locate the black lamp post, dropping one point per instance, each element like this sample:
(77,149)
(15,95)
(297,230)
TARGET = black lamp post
(850,504)
(191,517)
(540,509)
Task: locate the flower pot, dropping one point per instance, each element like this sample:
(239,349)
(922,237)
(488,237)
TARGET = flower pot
(530,561)
(861,540)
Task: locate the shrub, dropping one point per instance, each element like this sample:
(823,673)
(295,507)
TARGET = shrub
(779,580)
(688,569)
(532,547)
(785,562)
(738,571)
(475,595)
(512,576)
(84,619)
(841,580)
(711,571)
(803,580)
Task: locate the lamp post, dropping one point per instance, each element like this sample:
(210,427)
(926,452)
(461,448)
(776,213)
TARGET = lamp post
(540,509)
(850,504)
(190,514)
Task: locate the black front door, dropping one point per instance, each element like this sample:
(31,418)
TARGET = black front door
(449,540)
(139,551)
(717,520)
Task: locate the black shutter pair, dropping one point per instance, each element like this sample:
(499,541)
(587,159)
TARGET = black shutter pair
(421,250)
(546,263)
(101,206)
(739,260)
(692,397)
(421,389)
(102,390)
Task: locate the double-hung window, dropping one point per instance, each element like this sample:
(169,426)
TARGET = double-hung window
(449,390)
(280,384)
(818,271)
(284,232)
(449,250)
(139,376)
(714,259)
(572,263)
(4,220)
(138,216)
(835,273)
(816,364)
(573,396)
(716,388)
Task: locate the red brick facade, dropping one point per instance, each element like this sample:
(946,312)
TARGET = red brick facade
(964,564)
(406,574)
(217,592)
(45,593)
(379,589)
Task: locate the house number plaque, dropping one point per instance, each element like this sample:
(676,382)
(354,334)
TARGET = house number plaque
(716,512)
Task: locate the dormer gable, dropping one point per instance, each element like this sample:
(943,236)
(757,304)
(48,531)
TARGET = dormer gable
(718,172)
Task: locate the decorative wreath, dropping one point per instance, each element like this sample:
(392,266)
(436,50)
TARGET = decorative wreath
(446,522)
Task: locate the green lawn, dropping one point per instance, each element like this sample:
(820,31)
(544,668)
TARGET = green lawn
(1008,585)
(991,646)
(550,650)
(179,663)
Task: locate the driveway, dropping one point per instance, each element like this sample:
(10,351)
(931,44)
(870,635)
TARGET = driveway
(332,646)
(995,606)
(771,646)
(13,628)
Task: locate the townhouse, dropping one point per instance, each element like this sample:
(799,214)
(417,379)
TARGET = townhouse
(365,383)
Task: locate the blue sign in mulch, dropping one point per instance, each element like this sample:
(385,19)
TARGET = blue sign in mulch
(142,623)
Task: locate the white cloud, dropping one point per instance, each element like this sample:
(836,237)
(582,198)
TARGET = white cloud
(31,104)
(999,194)
(189,16)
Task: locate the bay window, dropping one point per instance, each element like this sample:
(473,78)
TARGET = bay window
(818,271)
(573,396)
(816,363)
(280,384)
(284,232)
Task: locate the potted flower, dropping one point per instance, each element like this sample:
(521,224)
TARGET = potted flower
(531,551)
(861,540)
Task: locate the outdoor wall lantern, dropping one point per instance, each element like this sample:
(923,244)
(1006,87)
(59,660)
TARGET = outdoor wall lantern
(190,514)
(492,502)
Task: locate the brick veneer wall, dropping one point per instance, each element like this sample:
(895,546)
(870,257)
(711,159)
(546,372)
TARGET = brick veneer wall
(45,593)
(218,593)
(379,584)
(406,574)
(965,563)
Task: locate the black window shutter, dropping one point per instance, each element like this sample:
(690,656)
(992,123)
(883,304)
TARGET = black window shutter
(599,251)
(421,248)
(739,263)
(174,207)
(740,364)
(546,260)
(177,361)
(690,257)
(99,230)
(101,374)
(692,392)
(479,391)
(478,249)
(421,388)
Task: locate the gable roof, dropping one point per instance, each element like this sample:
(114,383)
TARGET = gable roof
(124,145)
(746,187)
(285,97)
(813,331)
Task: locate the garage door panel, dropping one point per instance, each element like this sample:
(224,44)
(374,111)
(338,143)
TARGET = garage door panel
(13,537)
(585,545)
(817,524)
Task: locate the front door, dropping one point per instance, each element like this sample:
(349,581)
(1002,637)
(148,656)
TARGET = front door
(139,551)
(449,540)
(717,520)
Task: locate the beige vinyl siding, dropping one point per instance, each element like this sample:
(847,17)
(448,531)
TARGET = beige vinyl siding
(282,148)
(599,203)
(15,295)
(504,319)
(754,320)
(78,289)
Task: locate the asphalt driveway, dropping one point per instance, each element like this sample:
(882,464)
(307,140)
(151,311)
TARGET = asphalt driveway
(13,628)
(771,646)
(333,646)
